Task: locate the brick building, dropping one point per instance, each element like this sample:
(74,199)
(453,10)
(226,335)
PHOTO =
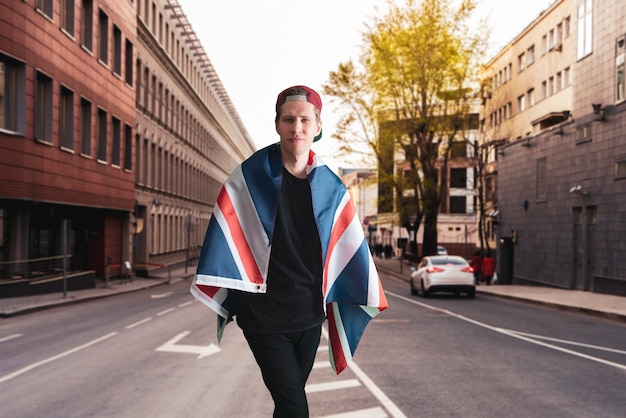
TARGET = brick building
(67,117)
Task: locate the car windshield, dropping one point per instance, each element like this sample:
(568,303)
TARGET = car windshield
(442,261)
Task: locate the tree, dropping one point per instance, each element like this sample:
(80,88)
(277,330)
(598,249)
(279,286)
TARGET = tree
(419,74)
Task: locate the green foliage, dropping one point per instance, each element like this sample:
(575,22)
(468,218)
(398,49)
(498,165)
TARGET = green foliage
(419,71)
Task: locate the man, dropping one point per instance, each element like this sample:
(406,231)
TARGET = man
(284,250)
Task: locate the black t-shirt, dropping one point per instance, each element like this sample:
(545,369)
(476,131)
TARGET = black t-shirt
(293,301)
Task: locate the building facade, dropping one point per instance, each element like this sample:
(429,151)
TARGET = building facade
(561,173)
(116,135)
(189,137)
(67,123)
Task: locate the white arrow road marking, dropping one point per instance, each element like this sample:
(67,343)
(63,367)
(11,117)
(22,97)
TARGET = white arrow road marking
(201,350)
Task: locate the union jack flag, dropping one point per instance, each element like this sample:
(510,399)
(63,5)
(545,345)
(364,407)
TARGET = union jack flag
(237,247)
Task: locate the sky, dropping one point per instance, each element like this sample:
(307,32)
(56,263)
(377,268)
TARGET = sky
(259,48)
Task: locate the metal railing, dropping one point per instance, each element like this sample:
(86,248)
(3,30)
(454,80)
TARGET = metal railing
(35,268)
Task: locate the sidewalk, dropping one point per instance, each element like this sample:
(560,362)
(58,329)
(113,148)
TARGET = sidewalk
(608,306)
(20,305)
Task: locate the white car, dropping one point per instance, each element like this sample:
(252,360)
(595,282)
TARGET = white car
(443,273)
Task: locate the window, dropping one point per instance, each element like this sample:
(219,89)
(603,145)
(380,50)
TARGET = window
(116,127)
(620,168)
(67,16)
(12,95)
(45,7)
(542,187)
(531,97)
(85,127)
(544,89)
(458,178)
(521,103)
(66,119)
(102,135)
(559,81)
(620,51)
(103,23)
(458,204)
(117,50)
(530,55)
(521,62)
(567,80)
(43,108)
(128,147)
(544,44)
(585,28)
(128,77)
(86,25)
(583,133)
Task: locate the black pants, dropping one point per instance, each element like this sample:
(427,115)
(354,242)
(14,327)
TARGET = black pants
(286,361)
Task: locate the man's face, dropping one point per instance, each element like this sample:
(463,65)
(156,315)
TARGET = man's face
(297,126)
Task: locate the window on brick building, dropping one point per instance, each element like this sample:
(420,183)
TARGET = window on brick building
(85,127)
(458,204)
(43,108)
(117,50)
(102,135)
(103,42)
(128,147)
(46,7)
(128,65)
(66,119)
(67,16)
(458,178)
(116,141)
(86,25)
(12,94)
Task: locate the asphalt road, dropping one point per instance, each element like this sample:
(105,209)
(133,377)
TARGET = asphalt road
(154,353)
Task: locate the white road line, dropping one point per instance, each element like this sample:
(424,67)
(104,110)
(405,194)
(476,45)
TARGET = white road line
(182,305)
(541,337)
(138,323)
(363,413)
(10,337)
(513,334)
(321,365)
(334,385)
(166,311)
(371,386)
(53,358)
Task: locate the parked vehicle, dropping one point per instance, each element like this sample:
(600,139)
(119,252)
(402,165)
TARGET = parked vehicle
(441,250)
(443,273)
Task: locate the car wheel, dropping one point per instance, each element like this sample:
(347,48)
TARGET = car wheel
(471,293)
(414,291)
(423,291)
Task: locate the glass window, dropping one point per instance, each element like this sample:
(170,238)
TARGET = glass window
(43,108)
(103,23)
(66,119)
(128,147)
(67,16)
(86,25)
(117,50)
(585,28)
(46,7)
(116,127)
(128,77)
(620,92)
(85,127)
(12,95)
(102,135)
(458,204)
(458,178)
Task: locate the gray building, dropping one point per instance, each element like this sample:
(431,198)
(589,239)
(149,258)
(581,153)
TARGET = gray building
(561,180)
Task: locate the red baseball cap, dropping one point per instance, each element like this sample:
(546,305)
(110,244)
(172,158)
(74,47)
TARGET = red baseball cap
(303,93)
